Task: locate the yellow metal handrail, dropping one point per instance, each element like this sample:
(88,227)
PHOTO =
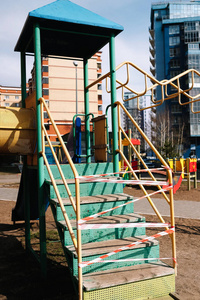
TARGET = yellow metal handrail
(163,162)
(163,85)
(76,206)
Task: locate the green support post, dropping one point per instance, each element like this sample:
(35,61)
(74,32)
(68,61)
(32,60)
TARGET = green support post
(25,176)
(40,161)
(87,117)
(113,107)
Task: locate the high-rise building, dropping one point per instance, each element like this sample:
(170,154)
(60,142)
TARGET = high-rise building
(175,47)
(62,85)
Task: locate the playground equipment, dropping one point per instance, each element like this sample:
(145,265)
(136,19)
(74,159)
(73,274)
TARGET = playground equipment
(184,168)
(99,231)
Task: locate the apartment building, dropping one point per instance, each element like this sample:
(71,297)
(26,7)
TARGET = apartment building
(175,47)
(63,85)
(10,96)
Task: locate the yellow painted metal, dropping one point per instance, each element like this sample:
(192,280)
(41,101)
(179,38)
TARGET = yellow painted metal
(77,243)
(17,131)
(141,290)
(170,200)
(163,84)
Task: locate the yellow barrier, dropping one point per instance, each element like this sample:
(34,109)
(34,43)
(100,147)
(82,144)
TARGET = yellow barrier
(17,131)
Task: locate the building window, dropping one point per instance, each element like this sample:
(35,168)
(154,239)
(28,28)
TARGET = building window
(192,46)
(99,86)
(47,102)
(174,52)
(191,37)
(98,66)
(174,73)
(174,40)
(175,63)
(191,26)
(174,29)
(45,92)
(6,104)
(16,104)
(46,115)
(99,107)
(45,80)
(6,97)
(99,97)
(16,97)
(45,69)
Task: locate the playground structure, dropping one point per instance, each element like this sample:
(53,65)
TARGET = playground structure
(99,230)
(184,168)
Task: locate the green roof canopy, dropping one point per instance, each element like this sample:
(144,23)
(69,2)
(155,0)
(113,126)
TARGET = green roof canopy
(67,29)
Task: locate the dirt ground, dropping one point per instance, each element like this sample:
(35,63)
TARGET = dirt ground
(20,274)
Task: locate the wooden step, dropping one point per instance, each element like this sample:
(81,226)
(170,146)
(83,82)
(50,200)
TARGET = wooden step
(126,275)
(94,250)
(128,218)
(96,199)
(103,247)
(94,204)
(88,235)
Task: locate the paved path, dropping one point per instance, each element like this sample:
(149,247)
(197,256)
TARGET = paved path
(8,194)
(182,209)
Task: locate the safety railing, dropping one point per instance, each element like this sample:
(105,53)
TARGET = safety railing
(75,204)
(169,199)
(163,85)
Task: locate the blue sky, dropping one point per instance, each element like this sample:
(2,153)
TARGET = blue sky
(132,44)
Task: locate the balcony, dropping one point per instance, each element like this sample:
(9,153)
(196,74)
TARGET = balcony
(152,42)
(153,71)
(152,33)
(152,51)
(152,61)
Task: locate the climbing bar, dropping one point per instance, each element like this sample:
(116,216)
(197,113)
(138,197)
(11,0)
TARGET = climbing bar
(122,225)
(81,221)
(150,238)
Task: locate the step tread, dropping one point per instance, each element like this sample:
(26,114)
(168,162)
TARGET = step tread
(104,247)
(115,219)
(125,275)
(72,181)
(97,198)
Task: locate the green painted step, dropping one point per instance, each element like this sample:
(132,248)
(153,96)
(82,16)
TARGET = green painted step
(86,188)
(88,236)
(147,281)
(82,169)
(94,204)
(91,251)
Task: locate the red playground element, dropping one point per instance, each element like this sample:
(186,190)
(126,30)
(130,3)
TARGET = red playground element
(192,165)
(176,183)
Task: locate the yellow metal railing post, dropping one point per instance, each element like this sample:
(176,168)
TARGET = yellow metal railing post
(77,243)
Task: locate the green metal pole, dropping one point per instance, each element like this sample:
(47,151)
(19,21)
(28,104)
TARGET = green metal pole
(87,117)
(113,108)
(25,175)
(41,202)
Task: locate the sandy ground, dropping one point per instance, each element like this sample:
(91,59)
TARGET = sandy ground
(20,275)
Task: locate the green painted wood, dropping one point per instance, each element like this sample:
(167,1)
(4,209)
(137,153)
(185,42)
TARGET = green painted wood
(88,236)
(93,208)
(88,189)
(144,252)
(82,169)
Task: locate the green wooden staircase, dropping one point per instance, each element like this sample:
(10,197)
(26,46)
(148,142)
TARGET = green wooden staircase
(122,280)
